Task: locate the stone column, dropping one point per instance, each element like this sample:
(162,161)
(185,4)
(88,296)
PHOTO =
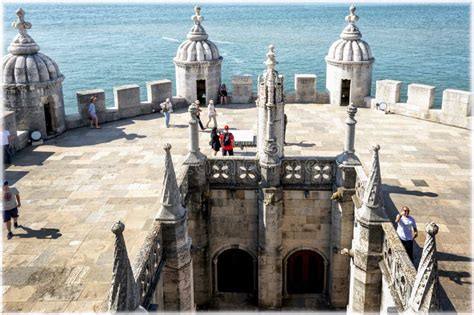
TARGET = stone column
(194,156)
(346,161)
(270,245)
(350,129)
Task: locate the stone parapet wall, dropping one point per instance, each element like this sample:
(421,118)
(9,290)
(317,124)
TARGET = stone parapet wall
(398,272)
(127,103)
(456,106)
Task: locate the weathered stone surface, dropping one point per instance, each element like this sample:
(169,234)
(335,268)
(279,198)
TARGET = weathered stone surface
(158,91)
(242,89)
(421,96)
(388,91)
(305,87)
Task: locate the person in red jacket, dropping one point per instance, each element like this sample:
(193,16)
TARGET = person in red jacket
(227,141)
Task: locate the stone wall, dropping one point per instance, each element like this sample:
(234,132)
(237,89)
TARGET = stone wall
(305,87)
(456,107)
(127,103)
(242,89)
(187,73)
(233,220)
(306,224)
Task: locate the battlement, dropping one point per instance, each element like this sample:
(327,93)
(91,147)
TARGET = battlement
(127,103)
(456,106)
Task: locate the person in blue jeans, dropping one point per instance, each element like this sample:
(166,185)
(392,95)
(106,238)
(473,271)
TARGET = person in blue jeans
(166,109)
(406,230)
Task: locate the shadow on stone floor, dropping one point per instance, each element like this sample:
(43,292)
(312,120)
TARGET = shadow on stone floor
(456,276)
(444,301)
(43,233)
(29,156)
(86,136)
(451,257)
(13,176)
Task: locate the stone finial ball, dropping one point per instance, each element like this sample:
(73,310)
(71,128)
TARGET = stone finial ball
(167,147)
(376,148)
(432,229)
(118,228)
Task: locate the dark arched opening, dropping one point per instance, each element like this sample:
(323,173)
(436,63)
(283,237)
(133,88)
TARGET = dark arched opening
(235,271)
(305,273)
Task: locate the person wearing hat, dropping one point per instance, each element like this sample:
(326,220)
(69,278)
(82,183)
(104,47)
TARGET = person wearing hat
(227,141)
(11,203)
(406,223)
(166,109)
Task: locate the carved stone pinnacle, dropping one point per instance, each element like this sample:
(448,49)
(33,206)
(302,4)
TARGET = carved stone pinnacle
(118,228)
(167,147)
(376,148)
(20,23)
(432,229)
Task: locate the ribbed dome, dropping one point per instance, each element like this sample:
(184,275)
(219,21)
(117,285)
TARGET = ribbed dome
(350,47)
(25,64)
(197,47)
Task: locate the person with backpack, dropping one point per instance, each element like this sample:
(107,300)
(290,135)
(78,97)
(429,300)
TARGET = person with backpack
(215,140)
(227,141)
(166,109)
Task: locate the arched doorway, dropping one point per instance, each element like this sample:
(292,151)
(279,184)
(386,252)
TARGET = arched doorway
(305,273)
(235,271)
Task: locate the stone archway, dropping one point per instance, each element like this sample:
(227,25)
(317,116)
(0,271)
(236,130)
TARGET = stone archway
(306,272)
(235,271)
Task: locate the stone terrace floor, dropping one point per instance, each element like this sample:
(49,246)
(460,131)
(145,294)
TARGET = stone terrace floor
(74,187)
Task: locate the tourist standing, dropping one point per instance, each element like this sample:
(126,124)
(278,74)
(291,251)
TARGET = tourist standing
(6,141)
(215,140)
(93,112)
(227,141)
(406,230)
(167,109)
(11,203)
(223,94)
(198,114)
(211,113)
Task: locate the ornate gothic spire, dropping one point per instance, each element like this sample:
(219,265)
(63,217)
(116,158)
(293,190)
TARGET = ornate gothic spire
(171,208)
(425,295)
(372,208)
(123,296)
(22,44)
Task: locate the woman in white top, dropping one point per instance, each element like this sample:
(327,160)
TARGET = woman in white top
(93,113)
(211,113)
(166,109)
(406,223)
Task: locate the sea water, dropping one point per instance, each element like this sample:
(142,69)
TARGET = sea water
(106,45)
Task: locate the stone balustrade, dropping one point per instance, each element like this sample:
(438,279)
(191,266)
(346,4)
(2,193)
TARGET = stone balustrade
(296,172)
(233,172)
(306,171)
(398,271)
(456,106)
(147,268)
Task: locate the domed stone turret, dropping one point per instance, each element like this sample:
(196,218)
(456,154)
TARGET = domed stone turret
(349,66)
(32,84)
(198,64)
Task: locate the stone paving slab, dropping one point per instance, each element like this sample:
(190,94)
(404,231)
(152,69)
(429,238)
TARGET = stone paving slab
(74,187)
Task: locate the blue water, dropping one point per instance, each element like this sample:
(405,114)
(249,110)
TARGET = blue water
(106,45)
